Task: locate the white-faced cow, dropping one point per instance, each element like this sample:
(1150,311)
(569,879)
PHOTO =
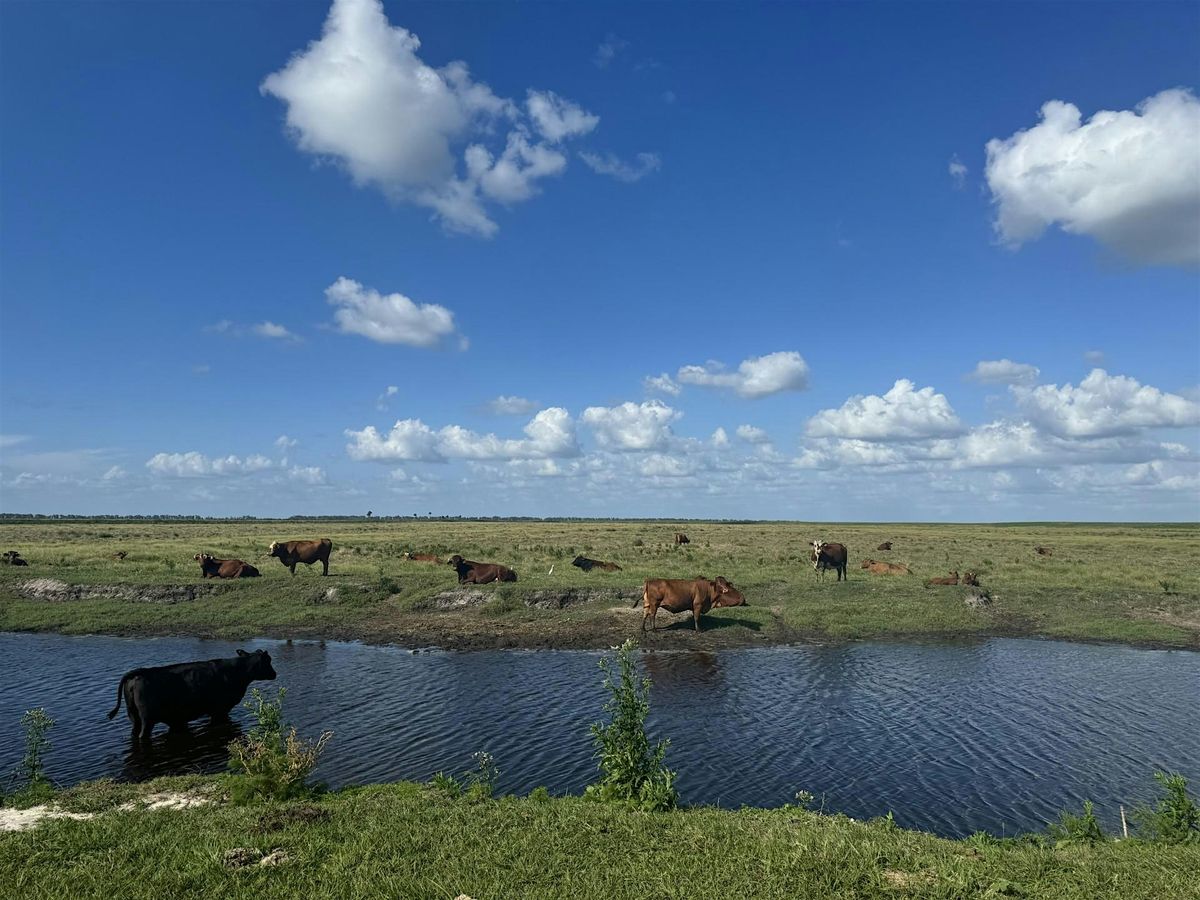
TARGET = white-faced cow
(308,552)
(827,555)
(681,594)
(179,693)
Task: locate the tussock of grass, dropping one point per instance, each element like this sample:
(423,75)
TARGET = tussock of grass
(1102,583)
(404,840)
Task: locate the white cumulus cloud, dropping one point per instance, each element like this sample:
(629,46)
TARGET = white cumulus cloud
(1004,371)
(273,330)
(197,465)
(758,376)
(556,118)
(752,434)
(661,384)
(1129,178)
(902,414)
(506,405)
(387,318)
(632,426)
(1104,405)
(551,433)
(362,96)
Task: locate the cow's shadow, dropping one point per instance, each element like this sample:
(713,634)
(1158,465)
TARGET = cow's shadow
(710,623)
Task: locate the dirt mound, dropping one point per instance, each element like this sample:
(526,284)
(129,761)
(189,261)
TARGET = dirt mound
(561,598)
(458,598)
(52,590)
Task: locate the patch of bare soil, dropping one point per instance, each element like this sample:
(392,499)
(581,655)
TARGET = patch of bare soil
(51,590)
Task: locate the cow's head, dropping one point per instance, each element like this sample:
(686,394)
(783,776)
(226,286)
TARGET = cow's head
(579,562)
(455,561)
(817,547)
(727,594)
(276,549)
(258,665)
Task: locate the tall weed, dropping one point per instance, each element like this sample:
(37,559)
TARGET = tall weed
(631,770)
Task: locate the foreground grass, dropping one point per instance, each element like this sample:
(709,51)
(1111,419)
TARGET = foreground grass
(1137,584)
(404,840)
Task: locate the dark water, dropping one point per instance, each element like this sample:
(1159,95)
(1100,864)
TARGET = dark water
(997,735)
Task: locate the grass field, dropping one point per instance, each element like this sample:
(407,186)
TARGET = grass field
(1138,584)
(406,840)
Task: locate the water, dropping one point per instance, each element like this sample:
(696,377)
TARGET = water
(997,735)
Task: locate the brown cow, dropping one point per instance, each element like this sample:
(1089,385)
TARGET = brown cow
(308,552)
(1043,551)
(479,573)
(826,555)
(420,557)
(970,578)
(211,567)
(582,562)
(885,568)
(13,558)
(681,538)
(952,578)
(681,594)
(886,545)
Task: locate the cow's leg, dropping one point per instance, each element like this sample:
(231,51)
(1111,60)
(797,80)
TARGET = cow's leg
(292,568)
(325,564)
(147,728)
(696,618)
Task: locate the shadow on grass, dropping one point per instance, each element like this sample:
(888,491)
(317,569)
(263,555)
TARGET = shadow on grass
(711,623)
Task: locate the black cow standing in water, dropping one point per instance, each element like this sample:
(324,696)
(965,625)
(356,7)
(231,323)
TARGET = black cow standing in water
(178,693)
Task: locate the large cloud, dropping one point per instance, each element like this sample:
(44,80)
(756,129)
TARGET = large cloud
(1104,405)
(757,376)
(902,414)
(362,96)
(197,465)
(632,426)
(1129,179)
(388,318)
(551,433)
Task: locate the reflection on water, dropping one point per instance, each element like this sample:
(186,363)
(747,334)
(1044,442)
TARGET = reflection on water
(202,748)
(951,737)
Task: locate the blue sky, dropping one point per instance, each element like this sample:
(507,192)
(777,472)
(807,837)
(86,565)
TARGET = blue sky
(927,262)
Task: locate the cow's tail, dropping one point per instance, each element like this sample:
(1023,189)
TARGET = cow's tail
(120,694)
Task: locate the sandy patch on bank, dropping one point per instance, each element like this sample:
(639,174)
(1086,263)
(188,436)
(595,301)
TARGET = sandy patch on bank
(22,819)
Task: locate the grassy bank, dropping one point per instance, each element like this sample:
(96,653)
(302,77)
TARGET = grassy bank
(1138,584)
(407,840)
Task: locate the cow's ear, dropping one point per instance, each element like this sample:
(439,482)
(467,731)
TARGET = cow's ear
(242,652)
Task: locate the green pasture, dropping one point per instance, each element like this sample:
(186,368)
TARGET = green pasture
(1138,584)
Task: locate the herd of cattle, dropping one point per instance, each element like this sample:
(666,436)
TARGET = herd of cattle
(177,694)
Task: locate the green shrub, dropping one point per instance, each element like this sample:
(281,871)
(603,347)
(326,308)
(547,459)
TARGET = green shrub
(1073,829)
(274,764)
(540,794)
(631,770)
(1175,818)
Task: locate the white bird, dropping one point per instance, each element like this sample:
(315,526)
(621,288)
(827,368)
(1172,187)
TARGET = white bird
(551,572)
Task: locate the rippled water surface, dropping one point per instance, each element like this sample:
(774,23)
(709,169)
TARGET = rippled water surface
(996,735)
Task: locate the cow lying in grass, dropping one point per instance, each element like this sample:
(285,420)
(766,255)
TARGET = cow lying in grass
(950,579)
(582,562)
(211,567)
(479,573)
(885,568)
